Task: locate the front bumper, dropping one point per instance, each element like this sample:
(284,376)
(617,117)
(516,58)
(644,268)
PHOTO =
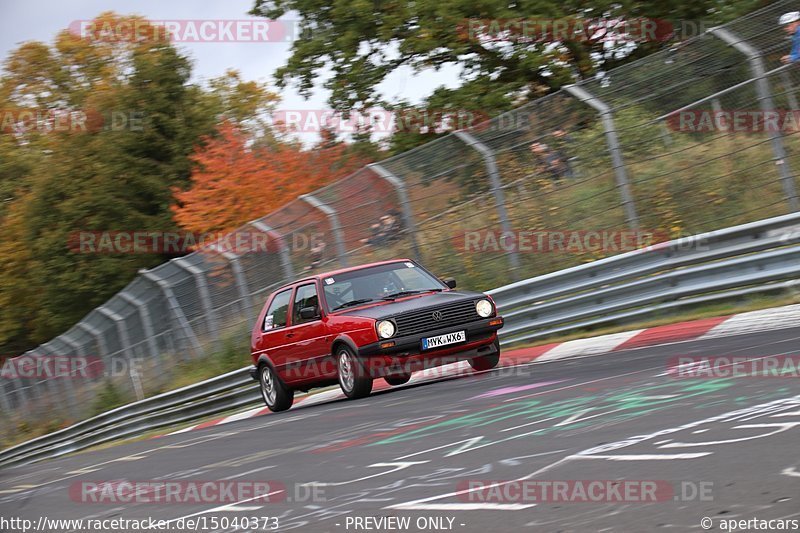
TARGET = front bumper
(407,355)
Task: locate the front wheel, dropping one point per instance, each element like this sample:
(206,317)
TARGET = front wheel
(276,395)
(486,362)
(353,378)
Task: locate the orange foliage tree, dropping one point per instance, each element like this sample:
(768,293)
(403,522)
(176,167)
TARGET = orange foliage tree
(234,182)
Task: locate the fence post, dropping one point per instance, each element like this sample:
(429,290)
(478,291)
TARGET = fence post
(183,325)
(94,332)
(402,194)
(68,385)
(50,385)
(497,189)
(19,390)
(767,105)
(125,341)
(205,297)
(147,323)
(66,339)
(283,248)
(333,218)
(238,273)
(5,404)
(617,161)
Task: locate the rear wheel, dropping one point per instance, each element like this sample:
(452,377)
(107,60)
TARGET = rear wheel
(486,362)
(353,379)
(397,379)
(277,396)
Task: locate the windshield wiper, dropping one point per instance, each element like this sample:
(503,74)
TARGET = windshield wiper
(406,293)
(352,303)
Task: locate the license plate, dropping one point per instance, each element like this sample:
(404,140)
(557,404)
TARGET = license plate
(443,340)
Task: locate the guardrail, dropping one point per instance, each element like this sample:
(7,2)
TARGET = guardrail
(756,257)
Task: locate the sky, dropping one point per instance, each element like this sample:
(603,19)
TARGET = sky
(41,20)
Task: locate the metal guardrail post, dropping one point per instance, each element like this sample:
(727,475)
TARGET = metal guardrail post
(94,332)
(67,381)
(238,273)
(205,296)
(283,248)
(175,308)
(767,105)
(497,189)
(402,194)
(19,389)
(125,340)
(333,218)
(65,338)
(617,161)
(5,404)
(147,323)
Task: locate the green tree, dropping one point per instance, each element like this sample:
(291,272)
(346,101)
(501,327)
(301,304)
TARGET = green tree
(363,42)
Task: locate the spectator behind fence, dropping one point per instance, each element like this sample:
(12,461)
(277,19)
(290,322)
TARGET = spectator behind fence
(791,25)
(386,230)
(548,161)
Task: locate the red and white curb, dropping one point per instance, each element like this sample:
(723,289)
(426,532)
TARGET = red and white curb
(707,328)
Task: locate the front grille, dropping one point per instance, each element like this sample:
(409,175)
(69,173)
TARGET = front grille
(421,320)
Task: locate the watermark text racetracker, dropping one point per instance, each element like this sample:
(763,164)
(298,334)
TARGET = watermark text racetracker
(736,366)
(583,491)
(254,30)
(183,242)
(556,241)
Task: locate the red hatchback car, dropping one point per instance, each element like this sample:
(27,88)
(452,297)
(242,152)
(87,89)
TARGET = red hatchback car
(351,326)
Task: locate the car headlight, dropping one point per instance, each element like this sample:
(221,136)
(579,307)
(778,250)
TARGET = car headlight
(484,308)
(386,329)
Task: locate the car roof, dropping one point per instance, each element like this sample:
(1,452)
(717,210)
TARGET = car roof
(332,273)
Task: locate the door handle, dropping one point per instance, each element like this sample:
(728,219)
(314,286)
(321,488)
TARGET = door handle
(289,335)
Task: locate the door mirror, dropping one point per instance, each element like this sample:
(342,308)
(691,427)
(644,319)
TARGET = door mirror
(307,313)
(450,282)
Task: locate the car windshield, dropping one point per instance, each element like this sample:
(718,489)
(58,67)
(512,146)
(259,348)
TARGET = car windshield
(376,283)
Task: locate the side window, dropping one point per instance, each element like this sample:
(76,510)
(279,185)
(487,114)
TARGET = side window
(278,310)
(306,296)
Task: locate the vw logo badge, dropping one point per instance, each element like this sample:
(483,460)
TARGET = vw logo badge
(436,315)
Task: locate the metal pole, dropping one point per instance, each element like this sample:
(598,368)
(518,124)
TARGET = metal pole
(70,392)
(125,340)
(205,296)
(238,273)
(5,404)
(614,149)
(283,248)
(147,323)
(172,302)
(66,339)
(334,222)
(402,194)
(767,105)
(497,189)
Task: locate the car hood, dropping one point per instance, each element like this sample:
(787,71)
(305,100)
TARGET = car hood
(412,303)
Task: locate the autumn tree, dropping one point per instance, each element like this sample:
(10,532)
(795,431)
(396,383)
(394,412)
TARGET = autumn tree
(237,181)
(145,118)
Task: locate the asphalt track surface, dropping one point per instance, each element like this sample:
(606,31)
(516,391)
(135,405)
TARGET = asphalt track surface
(728,448)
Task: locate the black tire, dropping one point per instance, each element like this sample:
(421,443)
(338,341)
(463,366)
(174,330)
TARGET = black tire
(353,378)
(397,379)
(486,362)
(276,394)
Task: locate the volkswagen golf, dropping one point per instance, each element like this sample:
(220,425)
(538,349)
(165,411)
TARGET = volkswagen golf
(377,321)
